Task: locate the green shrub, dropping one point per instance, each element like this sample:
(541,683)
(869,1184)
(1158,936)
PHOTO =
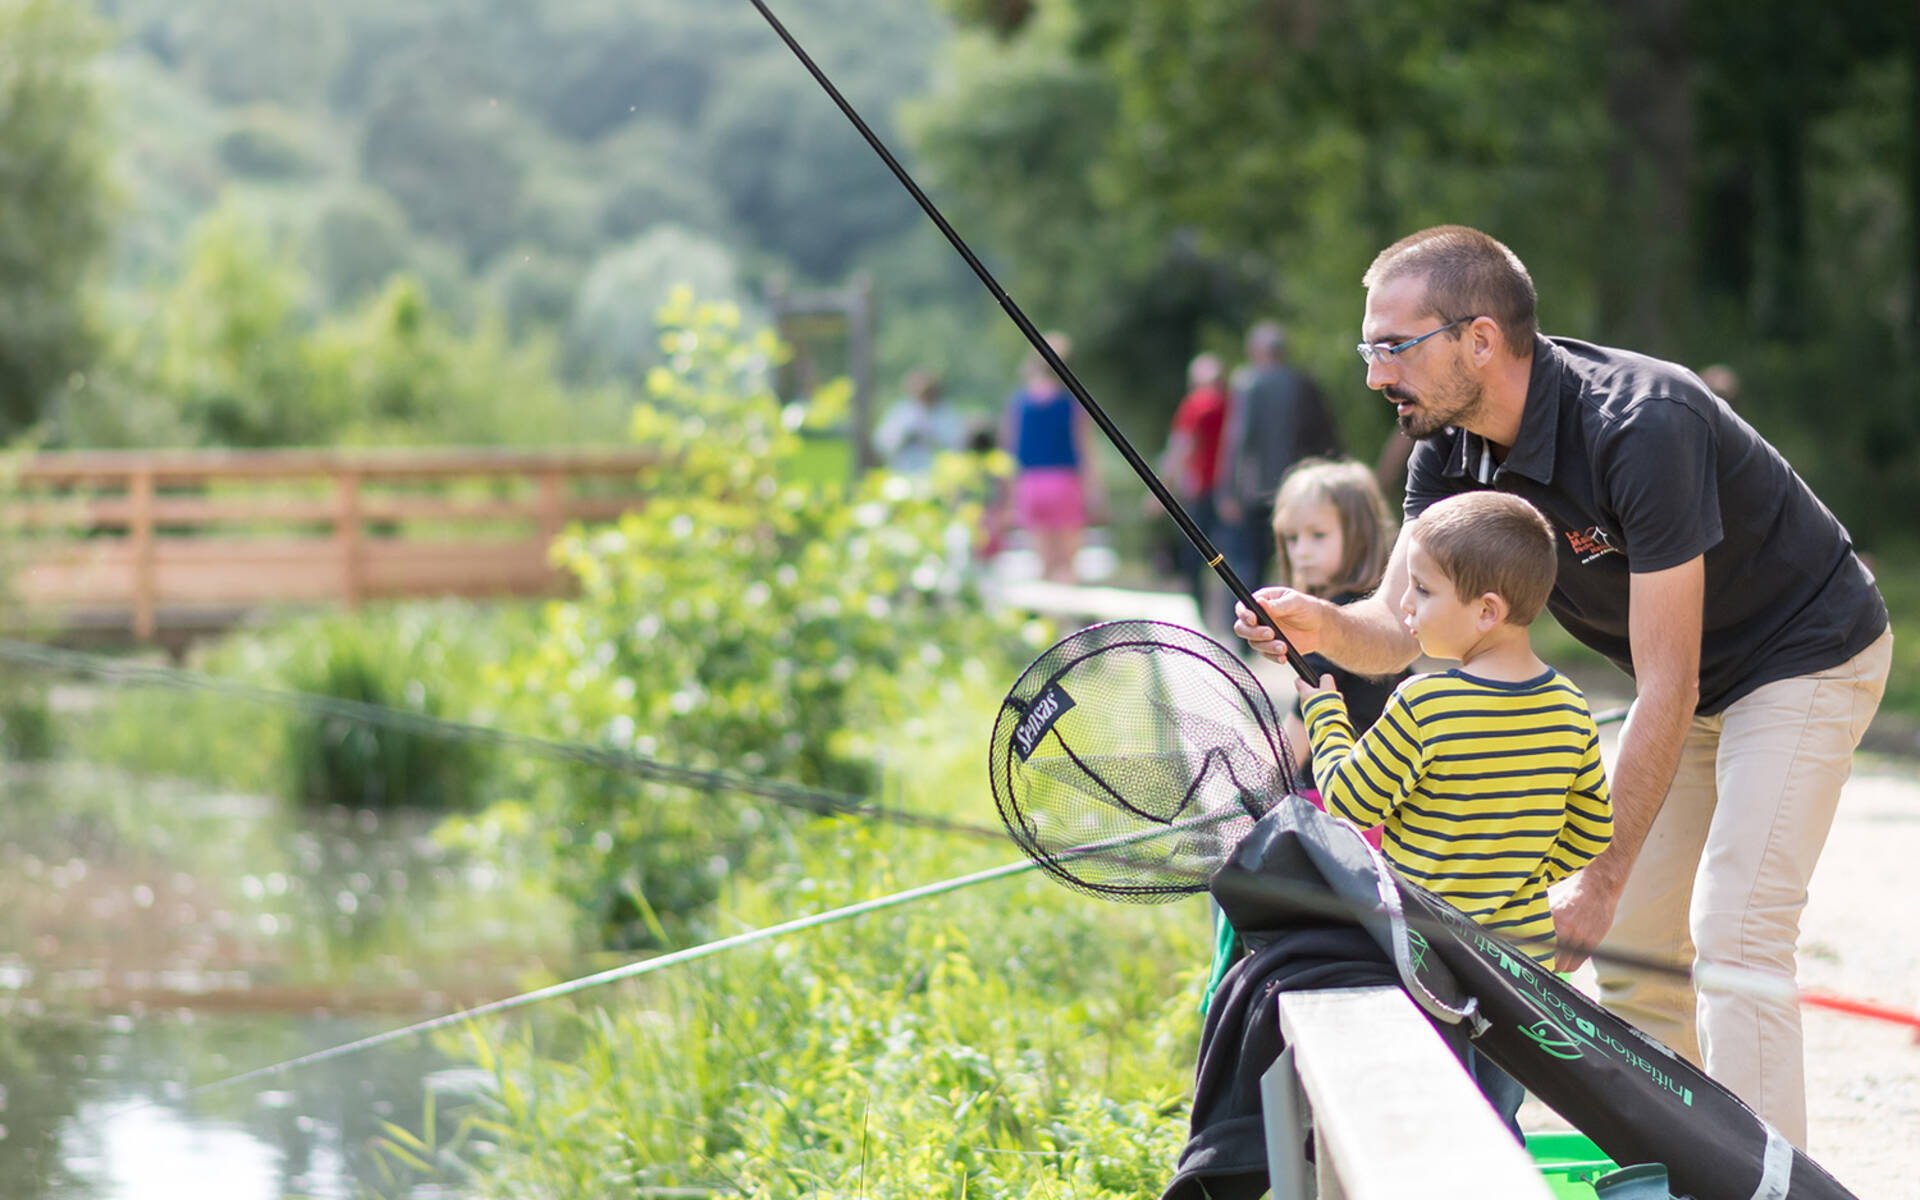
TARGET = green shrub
(428,659)
(361,764)
(753,618)
(28,732)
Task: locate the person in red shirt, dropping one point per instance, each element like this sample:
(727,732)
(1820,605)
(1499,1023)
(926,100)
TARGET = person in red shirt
(1191,462)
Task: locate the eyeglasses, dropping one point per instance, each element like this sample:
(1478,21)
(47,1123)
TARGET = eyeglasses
(1383,352)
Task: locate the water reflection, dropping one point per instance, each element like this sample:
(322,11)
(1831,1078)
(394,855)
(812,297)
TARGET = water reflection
(305,1133)
(154,937)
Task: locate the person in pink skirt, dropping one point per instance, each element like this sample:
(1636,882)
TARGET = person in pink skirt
(1056,483)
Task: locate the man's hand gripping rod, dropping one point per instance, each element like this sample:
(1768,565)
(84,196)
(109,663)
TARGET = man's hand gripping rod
(1193,532)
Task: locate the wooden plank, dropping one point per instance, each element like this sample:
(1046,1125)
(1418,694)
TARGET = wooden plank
(204,572)
(114,467)
(346,533)
(209,571)
(259,510)
(395,568)
(83,576)
(1394,1112)
(552,504)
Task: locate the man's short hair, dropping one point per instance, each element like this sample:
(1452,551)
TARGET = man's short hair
(1468,274)
(1491,542)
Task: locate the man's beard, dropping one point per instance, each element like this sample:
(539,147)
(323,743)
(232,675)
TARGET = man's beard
(1454,400)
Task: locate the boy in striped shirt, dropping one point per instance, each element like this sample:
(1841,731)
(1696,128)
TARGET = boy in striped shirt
(1487,776)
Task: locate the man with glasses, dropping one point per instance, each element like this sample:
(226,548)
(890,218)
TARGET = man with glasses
(1694,558)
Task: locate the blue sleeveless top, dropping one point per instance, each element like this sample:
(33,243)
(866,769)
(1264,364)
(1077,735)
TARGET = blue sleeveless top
(1044,429)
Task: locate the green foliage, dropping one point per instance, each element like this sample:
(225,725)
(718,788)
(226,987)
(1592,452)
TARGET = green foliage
(265,145)
(426,659)
(1737,179)
(1152,170)
(357,764)
(1898,574)
(358,241)
(54,193)
(233,358)
(451,163)
(567,127)
(613,332)
(28,731)
(238,359)
(751,618)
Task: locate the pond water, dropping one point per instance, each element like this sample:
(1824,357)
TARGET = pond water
(156,939)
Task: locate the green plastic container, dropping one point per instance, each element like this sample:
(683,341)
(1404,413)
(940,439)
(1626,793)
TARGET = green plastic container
(1570,1162)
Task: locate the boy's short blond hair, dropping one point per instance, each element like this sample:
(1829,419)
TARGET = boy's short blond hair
(1491,542)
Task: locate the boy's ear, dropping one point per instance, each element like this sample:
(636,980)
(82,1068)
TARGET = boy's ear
(1491,611)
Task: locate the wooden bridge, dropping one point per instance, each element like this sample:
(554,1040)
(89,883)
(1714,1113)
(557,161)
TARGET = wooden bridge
(161,545)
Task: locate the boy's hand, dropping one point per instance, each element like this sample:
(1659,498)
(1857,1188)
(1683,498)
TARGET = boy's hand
(1307,689)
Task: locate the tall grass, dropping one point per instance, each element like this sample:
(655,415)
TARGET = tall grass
(1012,1040)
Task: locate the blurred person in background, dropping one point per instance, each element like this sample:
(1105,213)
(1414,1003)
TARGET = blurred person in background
(1191,462)
(1723,381)
(1275,417)
(918,426)
(1056,482)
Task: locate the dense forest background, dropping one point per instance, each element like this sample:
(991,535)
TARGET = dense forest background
(452,220)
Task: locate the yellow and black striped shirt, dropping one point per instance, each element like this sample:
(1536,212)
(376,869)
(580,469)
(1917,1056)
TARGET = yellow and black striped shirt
(1489,791)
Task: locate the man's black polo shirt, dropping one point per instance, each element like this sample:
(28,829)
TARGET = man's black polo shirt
(1639,467)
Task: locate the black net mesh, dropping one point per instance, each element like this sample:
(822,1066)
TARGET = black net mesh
(1130,758)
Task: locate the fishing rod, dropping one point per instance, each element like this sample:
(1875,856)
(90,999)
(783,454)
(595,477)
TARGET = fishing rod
(1194,534)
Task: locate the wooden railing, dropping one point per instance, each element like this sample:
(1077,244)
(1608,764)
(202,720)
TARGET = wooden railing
(142,541)
(1391,1111)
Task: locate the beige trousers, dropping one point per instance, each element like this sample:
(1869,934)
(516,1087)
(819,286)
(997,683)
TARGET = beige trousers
(1723,876)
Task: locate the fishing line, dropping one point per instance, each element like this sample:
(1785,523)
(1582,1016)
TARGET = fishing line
(1194,534)
(1308,899)
(1710,977)
(819,801)
(1313,901)
(633,970)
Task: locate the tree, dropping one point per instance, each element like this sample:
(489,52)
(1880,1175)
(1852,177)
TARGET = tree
(614,333)
(1701,179)
(1017,143)
(54,193)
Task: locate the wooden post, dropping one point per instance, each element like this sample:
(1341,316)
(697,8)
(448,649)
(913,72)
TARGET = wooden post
(552,509)
(552,504)
(860,365)
(346,532)
(140,531)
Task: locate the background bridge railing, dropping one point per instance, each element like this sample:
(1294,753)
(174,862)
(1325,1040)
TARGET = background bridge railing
(151,542)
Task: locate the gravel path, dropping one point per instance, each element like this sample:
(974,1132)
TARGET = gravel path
(1857,940)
